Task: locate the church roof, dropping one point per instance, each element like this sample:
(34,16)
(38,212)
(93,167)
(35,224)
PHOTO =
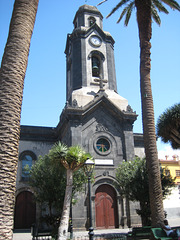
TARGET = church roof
(38,133)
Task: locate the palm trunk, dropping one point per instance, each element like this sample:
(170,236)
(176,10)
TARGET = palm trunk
(12,73)
(63,228)
(155,188)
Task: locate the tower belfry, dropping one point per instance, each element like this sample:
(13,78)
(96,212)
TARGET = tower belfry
(90,60)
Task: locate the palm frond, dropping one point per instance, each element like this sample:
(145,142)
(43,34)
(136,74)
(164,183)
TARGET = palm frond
(122,14)
(76,157)
(122,2)
(168,126)
(159,6)
(172,4)
(129,12)
(74,154)
(58,151)
(101,2)
(155,15)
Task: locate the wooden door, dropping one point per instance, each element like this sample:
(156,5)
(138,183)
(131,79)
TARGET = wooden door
(25,211)
(106,207)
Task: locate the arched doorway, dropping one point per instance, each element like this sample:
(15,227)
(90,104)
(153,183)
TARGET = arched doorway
(106,207)
(25,210)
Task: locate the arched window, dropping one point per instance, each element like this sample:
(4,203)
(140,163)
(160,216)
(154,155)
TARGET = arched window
(97,59)
(92,20)
(26,159)
(95,66)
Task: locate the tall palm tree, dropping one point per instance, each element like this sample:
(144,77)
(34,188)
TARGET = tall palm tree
(12,73)
(146,10)
(72,159)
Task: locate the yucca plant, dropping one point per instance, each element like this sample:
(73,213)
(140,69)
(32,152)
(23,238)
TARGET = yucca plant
(72,159)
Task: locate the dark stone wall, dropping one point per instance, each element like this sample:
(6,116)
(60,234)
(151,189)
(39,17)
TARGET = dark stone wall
(77,64)
(86,126)
(84,62)
(111,67)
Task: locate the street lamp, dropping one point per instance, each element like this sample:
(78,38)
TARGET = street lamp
(88,168)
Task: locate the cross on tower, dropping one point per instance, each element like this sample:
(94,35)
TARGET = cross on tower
(101,81)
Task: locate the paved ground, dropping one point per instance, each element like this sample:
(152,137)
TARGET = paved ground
(27,235)
(21,235)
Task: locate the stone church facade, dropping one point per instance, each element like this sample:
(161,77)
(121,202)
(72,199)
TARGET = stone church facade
(95,117)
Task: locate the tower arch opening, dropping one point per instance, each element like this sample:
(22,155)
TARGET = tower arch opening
(96,66)
(97,59)
(92,21)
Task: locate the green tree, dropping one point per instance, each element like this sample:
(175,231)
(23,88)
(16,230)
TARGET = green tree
(132,179)
(168,126)
(48,180)
(146,10)
(12,74)
(72,158)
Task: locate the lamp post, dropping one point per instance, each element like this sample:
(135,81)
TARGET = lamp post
(70,224)
(88,167)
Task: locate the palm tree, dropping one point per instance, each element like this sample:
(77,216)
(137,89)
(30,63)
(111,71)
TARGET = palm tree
(168,126)
(72,159)
(146,10)
(12,73)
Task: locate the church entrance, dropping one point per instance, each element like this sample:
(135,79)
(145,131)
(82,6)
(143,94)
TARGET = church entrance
(106,207)
(25,211)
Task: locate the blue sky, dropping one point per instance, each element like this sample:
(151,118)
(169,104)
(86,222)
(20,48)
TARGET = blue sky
(45,81)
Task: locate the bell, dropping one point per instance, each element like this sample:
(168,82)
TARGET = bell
(95,64)
(95,68)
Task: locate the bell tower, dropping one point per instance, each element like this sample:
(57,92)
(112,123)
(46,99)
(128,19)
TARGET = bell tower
(95,116)
(90,60)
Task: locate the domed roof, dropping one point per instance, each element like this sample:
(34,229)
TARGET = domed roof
(88,8)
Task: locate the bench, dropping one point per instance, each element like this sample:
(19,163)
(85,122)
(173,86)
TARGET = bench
(139,233)
(159,234)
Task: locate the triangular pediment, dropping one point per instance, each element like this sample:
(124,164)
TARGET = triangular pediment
(85,32)
(104,35)
(101,101)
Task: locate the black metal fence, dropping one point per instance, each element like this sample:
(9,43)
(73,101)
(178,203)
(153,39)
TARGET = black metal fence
(113,236)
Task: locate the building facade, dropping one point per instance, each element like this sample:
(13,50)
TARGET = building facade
(172,166)
(95,117)
(172,202)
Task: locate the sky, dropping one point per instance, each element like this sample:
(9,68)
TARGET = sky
(45,81)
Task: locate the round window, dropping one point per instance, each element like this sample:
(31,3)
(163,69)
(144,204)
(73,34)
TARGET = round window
(103,145)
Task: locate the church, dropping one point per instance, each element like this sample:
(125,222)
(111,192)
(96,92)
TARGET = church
(95,117)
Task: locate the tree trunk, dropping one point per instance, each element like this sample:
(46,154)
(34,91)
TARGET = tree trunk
(63,228)
(155,189)
(145,213)
(128,213)
(12,73)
